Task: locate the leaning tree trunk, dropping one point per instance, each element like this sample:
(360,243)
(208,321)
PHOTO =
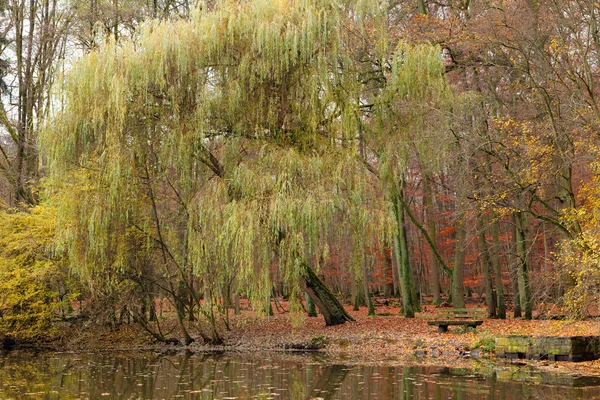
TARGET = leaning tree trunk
(328,305)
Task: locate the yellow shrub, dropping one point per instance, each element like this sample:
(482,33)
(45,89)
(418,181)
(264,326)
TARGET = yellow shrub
(31,275)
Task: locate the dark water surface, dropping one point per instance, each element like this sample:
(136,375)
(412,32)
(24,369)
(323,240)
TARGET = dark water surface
(260,376)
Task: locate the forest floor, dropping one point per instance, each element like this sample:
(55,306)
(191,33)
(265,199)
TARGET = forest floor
(386,338)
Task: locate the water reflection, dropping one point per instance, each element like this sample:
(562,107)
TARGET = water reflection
(214,376)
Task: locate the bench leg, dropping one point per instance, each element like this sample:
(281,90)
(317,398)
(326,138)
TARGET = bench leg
(442,328)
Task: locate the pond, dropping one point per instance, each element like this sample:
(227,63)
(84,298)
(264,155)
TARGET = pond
(260,376)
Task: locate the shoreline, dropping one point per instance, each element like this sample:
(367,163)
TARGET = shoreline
(383,339)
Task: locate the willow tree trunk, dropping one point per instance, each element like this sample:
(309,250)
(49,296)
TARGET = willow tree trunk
(434,263)
(486,267)
(501,308)
(180,299)
(401,248)
(328,305)
(522,272)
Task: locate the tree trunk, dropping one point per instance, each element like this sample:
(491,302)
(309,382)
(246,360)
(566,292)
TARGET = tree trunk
(389,272)
(395,268)
(269,307)
(486,267)
(501,308)
(356,288)
(401,247)
(523,273)
(180,306)
(236,304)
(365,282)
(328,305)
(227,303)
(434,266)
(458,272)
(514,272)
(152,309)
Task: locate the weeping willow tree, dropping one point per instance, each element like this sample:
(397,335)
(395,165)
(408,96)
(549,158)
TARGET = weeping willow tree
(208,149)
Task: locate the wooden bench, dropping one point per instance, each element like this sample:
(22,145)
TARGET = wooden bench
(468,317)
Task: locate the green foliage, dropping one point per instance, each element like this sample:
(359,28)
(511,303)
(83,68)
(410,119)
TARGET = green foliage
(485,341)
(32,276)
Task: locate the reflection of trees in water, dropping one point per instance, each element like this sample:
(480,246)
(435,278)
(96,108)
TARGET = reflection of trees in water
(210,376)
(406,388)
(329,381)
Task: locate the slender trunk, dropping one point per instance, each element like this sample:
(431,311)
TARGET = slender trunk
(401,248)
(365,282)
(501,307)
(209,311)
(458,272)
(547,284)
(25,98)
(514,271)
(333,312)
(269,307)
(187,274)
(116,20)
(180,300)
(152,306)
(523,273)
(356,288)
(516,296)
(236,305)
(389,272)
(435,268)
(395,270)
(227,294)
(486,267)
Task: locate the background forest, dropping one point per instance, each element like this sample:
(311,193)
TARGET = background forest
(183,155)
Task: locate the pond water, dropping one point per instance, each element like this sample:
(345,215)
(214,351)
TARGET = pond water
(260,376)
